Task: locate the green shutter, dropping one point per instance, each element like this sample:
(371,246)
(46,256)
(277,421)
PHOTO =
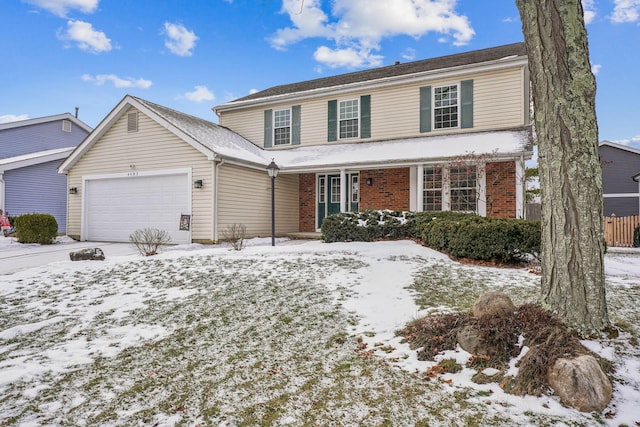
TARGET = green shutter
(365,116)
(332,122)
(268,128)
(466,96)
(295,125)
(425,109)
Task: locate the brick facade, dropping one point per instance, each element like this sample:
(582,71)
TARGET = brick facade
(501,189)
(389,189)
(307,189)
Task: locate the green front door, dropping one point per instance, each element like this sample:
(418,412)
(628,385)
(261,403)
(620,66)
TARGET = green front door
(329,195)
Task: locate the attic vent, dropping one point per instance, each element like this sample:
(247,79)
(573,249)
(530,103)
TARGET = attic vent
(66,126)
(132,122)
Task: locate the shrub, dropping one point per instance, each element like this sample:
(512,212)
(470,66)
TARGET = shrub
(36,228)
(148,240)
(480,238)
(368,225)
(236,234)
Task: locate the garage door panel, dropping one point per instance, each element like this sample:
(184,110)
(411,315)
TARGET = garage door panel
(116,207)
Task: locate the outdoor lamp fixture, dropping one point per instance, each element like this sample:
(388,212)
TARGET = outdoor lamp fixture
(73,190)
(273,170)
(369,181)
(197,183)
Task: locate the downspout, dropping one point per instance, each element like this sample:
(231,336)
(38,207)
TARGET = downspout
(215,200)
(521,187)
(2,191)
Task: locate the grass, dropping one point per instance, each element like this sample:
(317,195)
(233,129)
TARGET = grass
(229,341)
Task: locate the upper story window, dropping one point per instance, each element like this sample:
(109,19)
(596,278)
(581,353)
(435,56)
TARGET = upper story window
(349,114)
(282,127)
(445,107)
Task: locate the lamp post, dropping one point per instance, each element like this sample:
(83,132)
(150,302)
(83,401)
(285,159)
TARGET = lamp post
(273,170)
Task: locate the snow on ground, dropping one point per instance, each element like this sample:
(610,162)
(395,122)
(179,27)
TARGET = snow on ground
(266,336)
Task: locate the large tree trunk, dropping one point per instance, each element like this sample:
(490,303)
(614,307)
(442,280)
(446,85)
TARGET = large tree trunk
(564,88)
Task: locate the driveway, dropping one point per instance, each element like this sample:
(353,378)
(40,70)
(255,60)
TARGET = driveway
(16,257)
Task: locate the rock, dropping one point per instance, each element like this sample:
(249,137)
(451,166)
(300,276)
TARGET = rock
(580,383)
(469,339)
(92,254)
(494,304)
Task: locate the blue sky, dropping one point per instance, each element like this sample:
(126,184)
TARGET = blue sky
(193,54)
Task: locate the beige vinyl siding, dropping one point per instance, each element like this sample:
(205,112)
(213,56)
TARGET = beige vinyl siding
(499,103)
(244,197)
(152,147)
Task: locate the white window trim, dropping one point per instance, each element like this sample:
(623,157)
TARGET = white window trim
(481,184)
(273,120)
(358,118)
(433,105)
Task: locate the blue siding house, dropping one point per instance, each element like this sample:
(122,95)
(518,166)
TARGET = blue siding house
(620,165)
(30,152)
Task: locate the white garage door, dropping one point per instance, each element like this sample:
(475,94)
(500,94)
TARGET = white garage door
(116,207)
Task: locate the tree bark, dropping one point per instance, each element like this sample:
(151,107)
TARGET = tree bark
(564,89)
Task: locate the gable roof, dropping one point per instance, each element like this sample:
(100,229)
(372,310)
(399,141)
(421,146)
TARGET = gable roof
(212,140)
(46,119)
(619,146)
(449,62)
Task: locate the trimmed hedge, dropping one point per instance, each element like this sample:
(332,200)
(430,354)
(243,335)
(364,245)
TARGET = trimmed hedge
(460,235)
(36,228)
(368,225)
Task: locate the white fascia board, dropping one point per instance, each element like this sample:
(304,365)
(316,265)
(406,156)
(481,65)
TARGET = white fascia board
(114,116)
(46,119)
(620,146)
(34,158)
(510,62)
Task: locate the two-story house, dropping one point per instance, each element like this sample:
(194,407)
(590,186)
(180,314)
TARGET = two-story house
(30,152)
(449,133)
(620,167)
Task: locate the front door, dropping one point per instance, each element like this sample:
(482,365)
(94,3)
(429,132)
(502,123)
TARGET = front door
(328,199)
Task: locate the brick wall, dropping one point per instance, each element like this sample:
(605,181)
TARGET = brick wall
(501,189)
(307,221)
(389,189)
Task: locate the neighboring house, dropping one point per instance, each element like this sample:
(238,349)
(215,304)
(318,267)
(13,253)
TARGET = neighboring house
(30,152)
(449,133)
(620,170)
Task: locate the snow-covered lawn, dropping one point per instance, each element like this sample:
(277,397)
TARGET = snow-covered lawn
(302,334)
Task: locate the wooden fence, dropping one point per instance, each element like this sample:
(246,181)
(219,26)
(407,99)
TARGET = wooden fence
(618,231)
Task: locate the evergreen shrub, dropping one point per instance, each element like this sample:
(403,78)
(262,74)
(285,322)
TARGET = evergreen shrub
(367,226)
(36,228)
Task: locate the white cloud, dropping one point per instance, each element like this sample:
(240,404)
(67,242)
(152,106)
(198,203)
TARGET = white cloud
(348,57)
(8,118)
(118,82)
(83,34)
(625,11)
(358,26)
(62,7)
(589,9)
(200,94)
(595,68)
(180,41)
(409,54)
(252,91)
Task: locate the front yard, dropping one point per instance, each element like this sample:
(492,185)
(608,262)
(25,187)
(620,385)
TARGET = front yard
(302,335)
